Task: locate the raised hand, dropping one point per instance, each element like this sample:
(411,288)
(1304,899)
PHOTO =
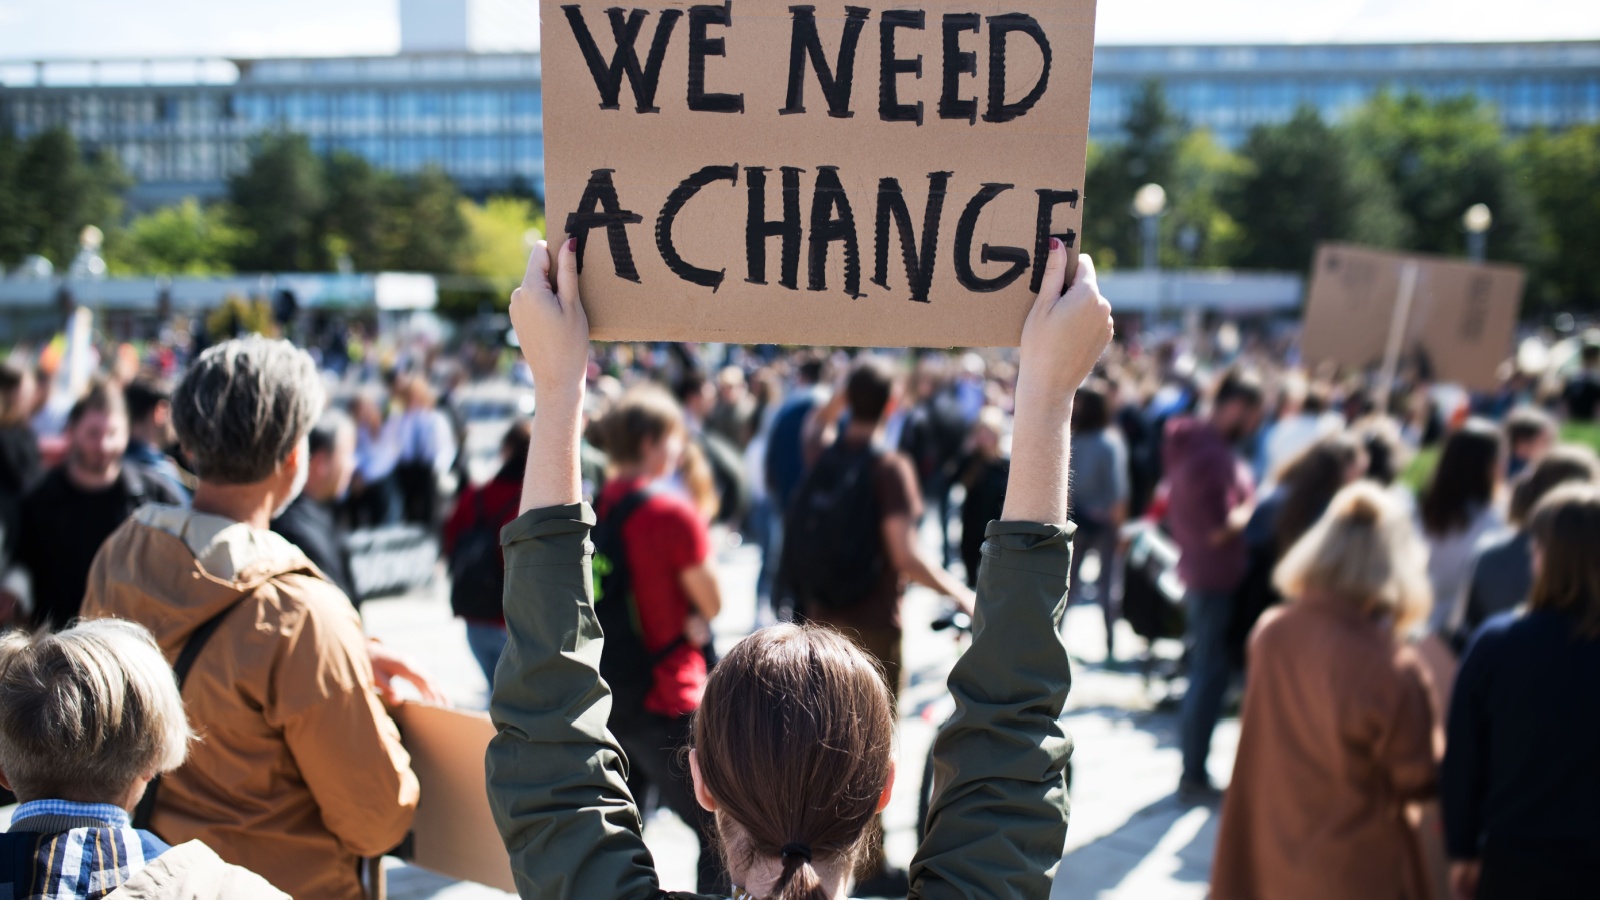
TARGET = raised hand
(554,332)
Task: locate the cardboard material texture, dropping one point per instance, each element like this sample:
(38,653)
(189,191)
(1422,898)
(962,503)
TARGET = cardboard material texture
(834,173)
(1462,321)
(454,833)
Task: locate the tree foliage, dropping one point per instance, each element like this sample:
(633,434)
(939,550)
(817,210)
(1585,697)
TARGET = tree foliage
(187,239)
(49,190)
(1562,174)
(1303,182)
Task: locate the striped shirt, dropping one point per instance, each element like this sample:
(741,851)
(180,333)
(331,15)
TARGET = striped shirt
(60,850)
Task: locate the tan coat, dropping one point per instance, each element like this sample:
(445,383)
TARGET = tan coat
(299,771)
(192,872)
(1338,734)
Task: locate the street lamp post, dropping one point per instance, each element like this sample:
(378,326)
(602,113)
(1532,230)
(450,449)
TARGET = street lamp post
(1476,221)
(1148,204)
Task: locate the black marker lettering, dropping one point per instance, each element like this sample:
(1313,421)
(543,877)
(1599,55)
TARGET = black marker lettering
(958,62)
(600,192)
(827,228)
(919,265)
(757,228)
(890,109)
(999,27)
(669,214)
(837,80)
(700,47)
(1048,201)
(965,228)
(625,61)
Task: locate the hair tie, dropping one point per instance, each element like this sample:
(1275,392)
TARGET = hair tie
(800,850)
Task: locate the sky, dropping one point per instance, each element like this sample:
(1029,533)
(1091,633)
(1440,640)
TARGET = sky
(32,29)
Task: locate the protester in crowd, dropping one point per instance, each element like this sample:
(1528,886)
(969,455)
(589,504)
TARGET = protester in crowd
(733,416)
(1530,433)
(1300,495)
(88,717)
(713,454)
(1581,394)
(1099,499)
(984,475)
(1456,511)
(472,545)
(150,433)
(1337,730)
(78,504)
(1303,417)
(1387,453)
(665,547)
(309,522)
(793,748)
(1502,569)
(1207,483)
(301,772)
(427,451)
(1520,785)
(850,542)
(375,495)
(19,469)
(785,467)
(934,437)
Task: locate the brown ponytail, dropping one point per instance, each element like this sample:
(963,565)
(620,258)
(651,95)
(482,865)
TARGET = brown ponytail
(793,739)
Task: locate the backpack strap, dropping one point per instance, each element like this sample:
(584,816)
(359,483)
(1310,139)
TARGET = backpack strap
(146,809)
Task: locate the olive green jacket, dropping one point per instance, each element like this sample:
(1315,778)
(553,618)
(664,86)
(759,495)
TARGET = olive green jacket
(558,781)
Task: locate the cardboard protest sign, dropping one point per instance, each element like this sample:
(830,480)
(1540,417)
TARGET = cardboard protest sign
(454,833)
(826,173)
(1459,328)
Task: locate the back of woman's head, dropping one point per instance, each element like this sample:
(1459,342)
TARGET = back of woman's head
(643,415)
(793,740)
(1363,551)
(1566,530)
(1310,481)
(1562,465)
(1464,482)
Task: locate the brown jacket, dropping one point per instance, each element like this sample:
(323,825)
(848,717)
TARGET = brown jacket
(299,770)
(1337,734)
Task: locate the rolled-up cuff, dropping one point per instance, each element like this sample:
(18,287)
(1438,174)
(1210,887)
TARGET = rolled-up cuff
(575,519)
(1030,546)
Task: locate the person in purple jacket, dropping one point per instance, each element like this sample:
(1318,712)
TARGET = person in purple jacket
(1206,482)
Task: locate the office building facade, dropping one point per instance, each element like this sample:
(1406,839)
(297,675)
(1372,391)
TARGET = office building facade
(478,116)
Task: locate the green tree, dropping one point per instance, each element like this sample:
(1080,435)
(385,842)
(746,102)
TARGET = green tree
(1302,183)
(356,217)
(1440,157)
(279,200)
(1148,153)
(1198,229)
(1562,173)
(13,230)
(496,245)
(58,190)
(427,231)
(187,239)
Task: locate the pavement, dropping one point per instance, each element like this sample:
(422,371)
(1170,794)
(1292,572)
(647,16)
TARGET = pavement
(1129,839)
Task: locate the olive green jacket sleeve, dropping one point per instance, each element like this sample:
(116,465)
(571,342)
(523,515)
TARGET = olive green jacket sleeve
(998,821)
(558,781)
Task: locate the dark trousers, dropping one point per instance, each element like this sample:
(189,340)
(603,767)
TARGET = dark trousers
(419,492)
(654,745)
(1544,874)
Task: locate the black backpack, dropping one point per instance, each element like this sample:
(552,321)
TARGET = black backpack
(833,553)
(477,570)
(626,665)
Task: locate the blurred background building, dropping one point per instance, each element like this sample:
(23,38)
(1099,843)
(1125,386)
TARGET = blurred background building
(180,127)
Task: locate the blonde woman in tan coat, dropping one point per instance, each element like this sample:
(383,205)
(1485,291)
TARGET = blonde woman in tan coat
(1338,730)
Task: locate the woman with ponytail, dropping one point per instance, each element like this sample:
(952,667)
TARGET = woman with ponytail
(1338,728)
(791,746)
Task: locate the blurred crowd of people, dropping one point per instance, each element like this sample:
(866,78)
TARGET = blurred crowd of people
(1372,605)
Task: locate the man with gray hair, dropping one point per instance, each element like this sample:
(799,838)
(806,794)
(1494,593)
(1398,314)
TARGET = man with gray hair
(301,773)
